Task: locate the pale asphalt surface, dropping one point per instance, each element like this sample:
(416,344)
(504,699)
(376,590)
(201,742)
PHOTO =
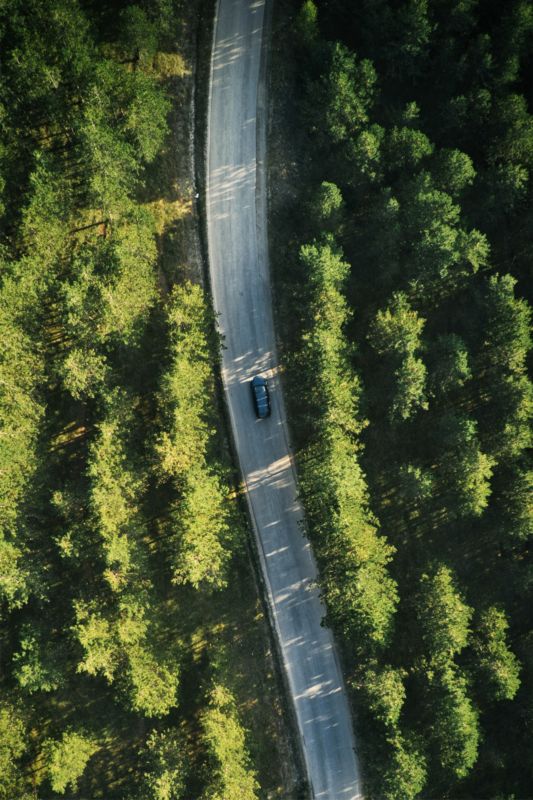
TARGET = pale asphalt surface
(238,262)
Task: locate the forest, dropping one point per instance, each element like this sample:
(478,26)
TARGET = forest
(135,659)
(134,656)
(401,238)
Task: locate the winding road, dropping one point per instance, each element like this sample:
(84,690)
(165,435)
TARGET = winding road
(238,263)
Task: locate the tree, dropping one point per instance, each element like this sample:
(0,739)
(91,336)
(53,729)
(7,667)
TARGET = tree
(335,390)
(397,329)
(515,507)
(360,595)
(464,470)
(385,692)
(14,575)
(97,635)
(68,757)
(130,290)
(137,36)
(124,645)
(410,394)
(84,373)
(440,253)
(452,171)
(412,33)
(511,409)
(513,132)
(382,245)
(507,329)
(166,765)
(406,147)
(515,30)
(111,290)
(455,729)
(450,368)
(416,484)
(152,681)
(186,385)
(505,349)
(326,205)
(13,744)
(21,401)
(497,665)
(344,95)
(405,770)
(114,146)
(202,532)
(116,486)
(39,663)
(45,220)
(443,615)
(112,168)
(504,190)
(229,775)
(364,154)
(306,23)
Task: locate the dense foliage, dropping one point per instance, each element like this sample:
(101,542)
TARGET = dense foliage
(120,533)
(402,252)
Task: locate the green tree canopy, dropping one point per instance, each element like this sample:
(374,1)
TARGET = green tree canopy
(39,662)
(406,147)
(450,367)
(396,329)
(405,770)
(166,765)
(326,204)
(455,728)
(14,741)
(465,471)
(386,693)
(453,171)
(229,774)
(498,666)
(344,94)
(410,394)
(507,332)
(443,615)
(203,531)
(67,758)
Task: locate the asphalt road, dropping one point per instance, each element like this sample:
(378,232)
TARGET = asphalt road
(238,263)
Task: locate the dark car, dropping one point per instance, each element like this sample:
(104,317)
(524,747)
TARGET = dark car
(260,396)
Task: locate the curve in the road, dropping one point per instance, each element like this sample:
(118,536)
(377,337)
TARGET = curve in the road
(238,263)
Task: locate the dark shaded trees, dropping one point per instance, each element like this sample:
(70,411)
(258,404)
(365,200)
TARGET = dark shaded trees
(416,152)
(360,595)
